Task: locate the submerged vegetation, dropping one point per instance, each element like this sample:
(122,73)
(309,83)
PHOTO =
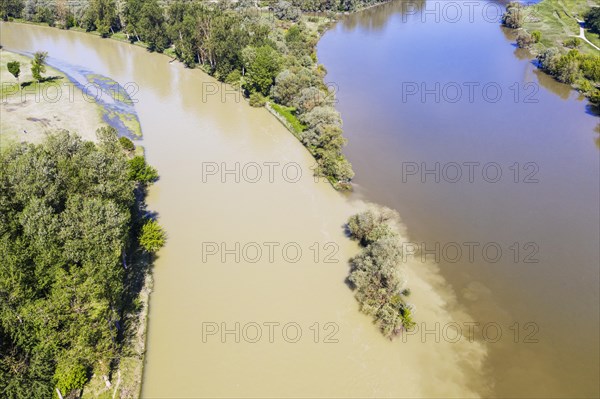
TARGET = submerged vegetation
(75,244)
(375,272)
(564,36)
(266,48)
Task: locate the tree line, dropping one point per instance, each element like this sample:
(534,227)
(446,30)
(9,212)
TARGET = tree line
(268,53)
(74,242)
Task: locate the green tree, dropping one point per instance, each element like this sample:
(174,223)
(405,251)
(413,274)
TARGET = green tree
(592,20)
(127,144)
(38,65)
(11,8)
(140,171)
(152,236)
(101,15)
(152,26)
(14,67)
(262,65)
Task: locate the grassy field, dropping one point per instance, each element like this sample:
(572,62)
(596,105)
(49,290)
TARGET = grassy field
(557,21)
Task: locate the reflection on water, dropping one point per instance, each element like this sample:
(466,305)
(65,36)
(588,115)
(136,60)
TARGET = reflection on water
(386,64)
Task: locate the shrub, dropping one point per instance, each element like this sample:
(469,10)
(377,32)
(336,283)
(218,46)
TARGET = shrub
(257,100)
(234,78)
(152,236)
(513,17)
(126,144)
(140,171)
(536,35)
(524,40)
(572,42)
(70,378)
(366,227)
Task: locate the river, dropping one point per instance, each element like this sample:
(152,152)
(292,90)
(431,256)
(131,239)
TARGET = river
(194,130)
(385,64)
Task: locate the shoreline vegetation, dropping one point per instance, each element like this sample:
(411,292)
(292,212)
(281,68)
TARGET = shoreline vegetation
(265,48)
(269,53)
(564,36)
(77,244)
(374,275)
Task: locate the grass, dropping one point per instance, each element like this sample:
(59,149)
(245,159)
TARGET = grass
(555,19)
(289,114)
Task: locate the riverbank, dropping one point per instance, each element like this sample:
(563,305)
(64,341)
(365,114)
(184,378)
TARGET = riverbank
(189,292)
(36,108)
(276,68)
(59,103)
(555,33)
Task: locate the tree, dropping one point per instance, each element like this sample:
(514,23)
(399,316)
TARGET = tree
(126,143)
(152,237)
(592,20)
(14,67)
(101,15)
(152,26)
(67,213)
(38,64)
(262,65)
(140,171)
(11,8)
(379,286)
(373,224)
(514,15)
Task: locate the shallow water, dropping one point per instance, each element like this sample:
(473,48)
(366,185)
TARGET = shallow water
(385,64)
(192,126)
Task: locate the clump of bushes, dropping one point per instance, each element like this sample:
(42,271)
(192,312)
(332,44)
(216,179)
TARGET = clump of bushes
(375,276)
(514,15)
(127,144)
(257,100)
(525,40)
(572,42)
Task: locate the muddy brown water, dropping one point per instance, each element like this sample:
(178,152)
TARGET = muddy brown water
(254,322)
(413,137)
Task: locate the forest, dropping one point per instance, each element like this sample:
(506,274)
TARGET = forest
(76,242)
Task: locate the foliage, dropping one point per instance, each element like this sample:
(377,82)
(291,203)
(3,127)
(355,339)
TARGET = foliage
(592,20)
(67,213)
(14,67)
(286,11)
(257,100)
(38,64)
(126,144)
(152,236)
(514,16)
(375,276)
(525,40)
(536,35)
(140,172)
(372,225)
(101,15)
(234,43)
(11,8)
(572,42)
(571,67)
(69,378)
(262,65)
